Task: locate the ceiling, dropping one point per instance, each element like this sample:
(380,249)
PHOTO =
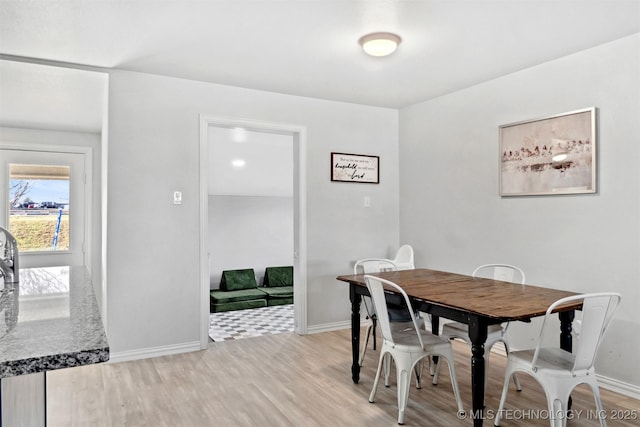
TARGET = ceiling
(45,97)
(297,47)
(245,162)
(309,47)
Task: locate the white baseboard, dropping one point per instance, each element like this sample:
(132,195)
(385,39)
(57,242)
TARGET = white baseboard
(620,387)
(326,327)
(144,353)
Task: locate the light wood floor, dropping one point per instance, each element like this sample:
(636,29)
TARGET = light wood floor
(286,380)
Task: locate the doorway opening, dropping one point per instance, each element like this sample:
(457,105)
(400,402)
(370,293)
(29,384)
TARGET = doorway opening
(62,108)
(45,197)
(279,157)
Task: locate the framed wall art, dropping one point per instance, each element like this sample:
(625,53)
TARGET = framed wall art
(355,168)
(550,155)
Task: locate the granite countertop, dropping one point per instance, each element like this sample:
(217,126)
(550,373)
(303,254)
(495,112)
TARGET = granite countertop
(50,320)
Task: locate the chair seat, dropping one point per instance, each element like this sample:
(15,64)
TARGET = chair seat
(554,359)
(409,337)
(218,297)
(397,327)
(462,329)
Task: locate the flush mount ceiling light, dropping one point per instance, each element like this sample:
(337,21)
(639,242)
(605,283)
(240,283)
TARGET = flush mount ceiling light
(380,44)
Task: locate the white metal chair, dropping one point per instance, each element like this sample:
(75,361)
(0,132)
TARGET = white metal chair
(559,371)
(496,333)
(404,258)
(399,315)
(408,348)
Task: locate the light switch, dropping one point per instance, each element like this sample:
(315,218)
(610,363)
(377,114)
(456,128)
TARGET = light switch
(367,201)
(177,197)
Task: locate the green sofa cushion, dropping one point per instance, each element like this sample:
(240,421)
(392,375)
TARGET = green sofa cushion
(279,292)
(278,276)
(279,301)
(239,305)
(234,280)
(218,297)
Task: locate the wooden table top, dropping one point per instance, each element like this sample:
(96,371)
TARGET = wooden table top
(485,297)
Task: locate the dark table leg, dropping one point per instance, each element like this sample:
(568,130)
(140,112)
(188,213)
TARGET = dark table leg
(478,336)
(435,324)
(566,340)
(566,320)
(355,299)
(435,330)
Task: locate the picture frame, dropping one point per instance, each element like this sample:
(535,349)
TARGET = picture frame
(549,155)
(361,168)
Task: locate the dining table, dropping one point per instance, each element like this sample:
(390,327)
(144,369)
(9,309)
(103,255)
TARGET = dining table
(476,301)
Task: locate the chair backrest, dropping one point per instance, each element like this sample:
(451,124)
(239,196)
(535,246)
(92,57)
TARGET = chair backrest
(404,258)
(373,265)
(597,311)
(376,287)
(502,272)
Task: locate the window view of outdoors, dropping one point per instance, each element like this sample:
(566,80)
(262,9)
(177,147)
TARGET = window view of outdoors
(39,201)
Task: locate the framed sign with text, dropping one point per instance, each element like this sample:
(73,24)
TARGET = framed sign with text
(355,168)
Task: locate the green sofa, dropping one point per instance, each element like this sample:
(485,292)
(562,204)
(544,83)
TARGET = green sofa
(278,285)
(238,291)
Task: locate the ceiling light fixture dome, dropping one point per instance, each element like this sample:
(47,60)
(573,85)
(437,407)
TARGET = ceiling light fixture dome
(380,44)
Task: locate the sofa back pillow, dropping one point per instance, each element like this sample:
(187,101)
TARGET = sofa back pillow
(278,276)
(234,280)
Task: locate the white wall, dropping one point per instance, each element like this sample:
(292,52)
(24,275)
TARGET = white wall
(249,232)
(452,214)
(153,287)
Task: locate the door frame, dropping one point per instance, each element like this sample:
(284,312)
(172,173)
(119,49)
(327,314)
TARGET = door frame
(77,252)
(87,152)
(299,134)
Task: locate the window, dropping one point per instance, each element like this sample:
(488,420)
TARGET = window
(39,206)
(42,192)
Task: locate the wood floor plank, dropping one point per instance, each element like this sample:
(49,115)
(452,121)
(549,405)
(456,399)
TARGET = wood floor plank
(289,380)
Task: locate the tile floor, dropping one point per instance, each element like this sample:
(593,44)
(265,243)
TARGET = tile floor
(239,324)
